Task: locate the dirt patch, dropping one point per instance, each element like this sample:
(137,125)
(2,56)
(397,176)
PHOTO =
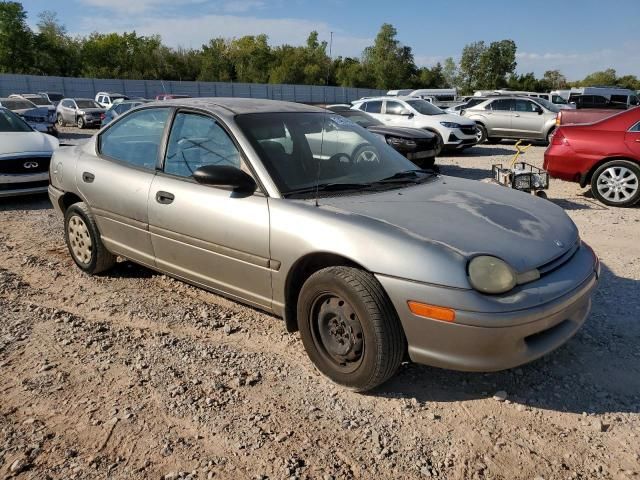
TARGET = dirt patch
(135,375)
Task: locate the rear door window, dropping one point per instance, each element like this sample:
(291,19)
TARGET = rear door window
(502,105)
(394,108)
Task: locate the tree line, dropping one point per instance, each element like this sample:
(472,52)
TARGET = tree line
(386,64)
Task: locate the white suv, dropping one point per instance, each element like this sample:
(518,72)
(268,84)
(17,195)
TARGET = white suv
(106,99)
(453,131)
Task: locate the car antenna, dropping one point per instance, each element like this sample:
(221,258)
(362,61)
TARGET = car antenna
(324,118)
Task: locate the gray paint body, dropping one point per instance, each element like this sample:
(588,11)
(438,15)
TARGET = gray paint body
(416,240)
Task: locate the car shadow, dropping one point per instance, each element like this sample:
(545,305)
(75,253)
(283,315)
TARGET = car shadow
(39,201)
(483,151)
(464,172)
(578,203)
(597,371)
(127,269)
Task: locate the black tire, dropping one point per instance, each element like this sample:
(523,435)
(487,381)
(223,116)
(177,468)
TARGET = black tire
(482,134)
(550,135)
(426,163)
(344,307)
(439,142)
(60,120)
(99,259)
(80,123)
(623,175)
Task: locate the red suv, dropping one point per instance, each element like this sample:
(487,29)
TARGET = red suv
(604,154)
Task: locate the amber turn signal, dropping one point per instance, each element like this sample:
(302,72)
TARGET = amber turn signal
(432,311)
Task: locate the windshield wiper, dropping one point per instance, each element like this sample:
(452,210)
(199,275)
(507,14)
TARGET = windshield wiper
(408,176)
(327,187)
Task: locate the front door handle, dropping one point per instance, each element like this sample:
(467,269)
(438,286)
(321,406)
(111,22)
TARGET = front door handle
(638,140)
(164,197)
(88,177)
(516,115)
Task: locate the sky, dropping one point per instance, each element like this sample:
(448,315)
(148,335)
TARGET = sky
(576,37)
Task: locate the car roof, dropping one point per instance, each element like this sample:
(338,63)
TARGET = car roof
(226,106)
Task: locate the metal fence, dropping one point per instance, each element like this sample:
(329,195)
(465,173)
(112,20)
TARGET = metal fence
(88,87)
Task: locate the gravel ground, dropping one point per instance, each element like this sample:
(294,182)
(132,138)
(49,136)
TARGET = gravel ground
(133,375)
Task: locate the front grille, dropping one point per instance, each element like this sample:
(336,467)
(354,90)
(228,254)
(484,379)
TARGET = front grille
(25,165)
(559,261)
(19,186)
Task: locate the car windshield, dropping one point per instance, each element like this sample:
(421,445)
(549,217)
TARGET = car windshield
(17,104)
(557,99)
(304,150)
(361,118)
(424,107)
(10,122)
(87,104)
(39,101)
(548,105)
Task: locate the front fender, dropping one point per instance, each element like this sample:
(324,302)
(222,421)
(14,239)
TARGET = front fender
(299,228)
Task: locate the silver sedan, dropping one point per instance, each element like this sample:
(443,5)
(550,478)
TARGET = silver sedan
(369,260)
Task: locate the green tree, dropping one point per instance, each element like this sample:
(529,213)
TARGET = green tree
(555,79)
(628,81)
(16,39)
(430,77)
(605,77)
(251,58)
(470,76)
(391,64)
(450,72)
(216,62)
(55,52)
(496,62)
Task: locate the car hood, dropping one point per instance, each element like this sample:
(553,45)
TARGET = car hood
(471,218)
(401,132)
(26,142)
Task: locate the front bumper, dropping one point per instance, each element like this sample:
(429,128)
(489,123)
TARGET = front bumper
(457,139)
(489,341)
(23,184)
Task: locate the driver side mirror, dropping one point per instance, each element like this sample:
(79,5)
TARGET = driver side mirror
(539,111)
(406,113)
(225,176)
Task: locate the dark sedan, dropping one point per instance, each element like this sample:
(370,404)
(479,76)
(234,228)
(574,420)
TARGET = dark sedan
(419,146)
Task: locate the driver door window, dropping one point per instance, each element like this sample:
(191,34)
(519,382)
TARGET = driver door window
(196,141)
(525,106)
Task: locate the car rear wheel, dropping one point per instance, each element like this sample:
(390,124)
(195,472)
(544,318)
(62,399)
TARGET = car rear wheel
(80,122)
(349,328)
(617,183)
(481,133)
(60,120)
(84,242)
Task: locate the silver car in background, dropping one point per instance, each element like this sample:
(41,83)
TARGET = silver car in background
(367,259)
(80,112)
(516,117)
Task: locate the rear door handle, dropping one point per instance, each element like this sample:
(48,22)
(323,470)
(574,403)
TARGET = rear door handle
(516,115)
(88,177)
(638,140)
(164,197)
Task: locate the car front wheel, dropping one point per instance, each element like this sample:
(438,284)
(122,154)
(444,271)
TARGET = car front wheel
(60,120)
(349,327)
(617,183)
(80,122)
(84,242)
(481,134)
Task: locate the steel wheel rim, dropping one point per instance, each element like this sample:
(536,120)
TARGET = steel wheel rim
(367,156)
(79,239)
(337,332)
(617,184)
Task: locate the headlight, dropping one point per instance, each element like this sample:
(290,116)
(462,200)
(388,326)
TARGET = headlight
(81,112)
(491,275)
(450,124)
(395,141)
